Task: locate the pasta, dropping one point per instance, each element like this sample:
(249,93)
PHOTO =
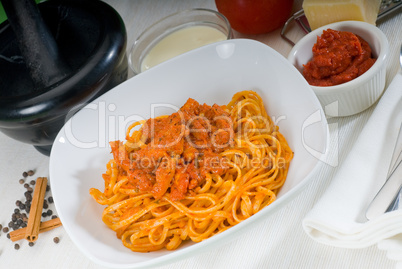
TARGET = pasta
(193,174)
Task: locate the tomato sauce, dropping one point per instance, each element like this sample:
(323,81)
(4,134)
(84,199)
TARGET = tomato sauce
(179,150)
(338,57)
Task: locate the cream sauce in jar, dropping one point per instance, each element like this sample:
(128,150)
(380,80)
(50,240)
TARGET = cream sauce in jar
(179,42)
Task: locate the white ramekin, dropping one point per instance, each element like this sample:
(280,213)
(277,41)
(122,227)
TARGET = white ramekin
(360,93)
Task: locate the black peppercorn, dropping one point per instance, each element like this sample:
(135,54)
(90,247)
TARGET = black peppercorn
(56,240)
(16,246)
(45,206)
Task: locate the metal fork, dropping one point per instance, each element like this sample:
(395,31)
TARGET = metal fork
(395,203)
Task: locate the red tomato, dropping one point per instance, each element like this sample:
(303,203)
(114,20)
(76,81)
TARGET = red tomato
(255,16)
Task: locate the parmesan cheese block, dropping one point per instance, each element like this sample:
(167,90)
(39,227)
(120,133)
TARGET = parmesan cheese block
(323,12)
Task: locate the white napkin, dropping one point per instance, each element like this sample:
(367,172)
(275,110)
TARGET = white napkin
(338,218)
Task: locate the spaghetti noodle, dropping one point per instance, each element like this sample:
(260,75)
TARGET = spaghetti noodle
(193,174)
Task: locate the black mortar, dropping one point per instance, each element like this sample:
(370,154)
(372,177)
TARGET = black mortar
(65,55)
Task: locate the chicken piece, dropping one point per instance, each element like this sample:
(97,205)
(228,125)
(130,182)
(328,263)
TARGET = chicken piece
(180,186)
(120,154)
(164,175)
(141,179)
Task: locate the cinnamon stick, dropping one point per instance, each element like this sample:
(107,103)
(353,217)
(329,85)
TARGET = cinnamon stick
(34,219)
(44,227)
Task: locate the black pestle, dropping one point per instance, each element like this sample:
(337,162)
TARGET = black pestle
(38,47)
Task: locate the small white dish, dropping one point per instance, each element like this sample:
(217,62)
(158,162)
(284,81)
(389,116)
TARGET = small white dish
(175,34)
(360,93)
(81,151)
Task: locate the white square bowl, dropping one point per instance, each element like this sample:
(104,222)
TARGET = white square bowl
(211,74)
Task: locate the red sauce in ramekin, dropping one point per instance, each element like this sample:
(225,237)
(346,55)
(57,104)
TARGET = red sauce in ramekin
(338,57)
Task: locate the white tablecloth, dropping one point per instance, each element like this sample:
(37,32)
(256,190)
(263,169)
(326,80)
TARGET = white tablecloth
(278,242)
